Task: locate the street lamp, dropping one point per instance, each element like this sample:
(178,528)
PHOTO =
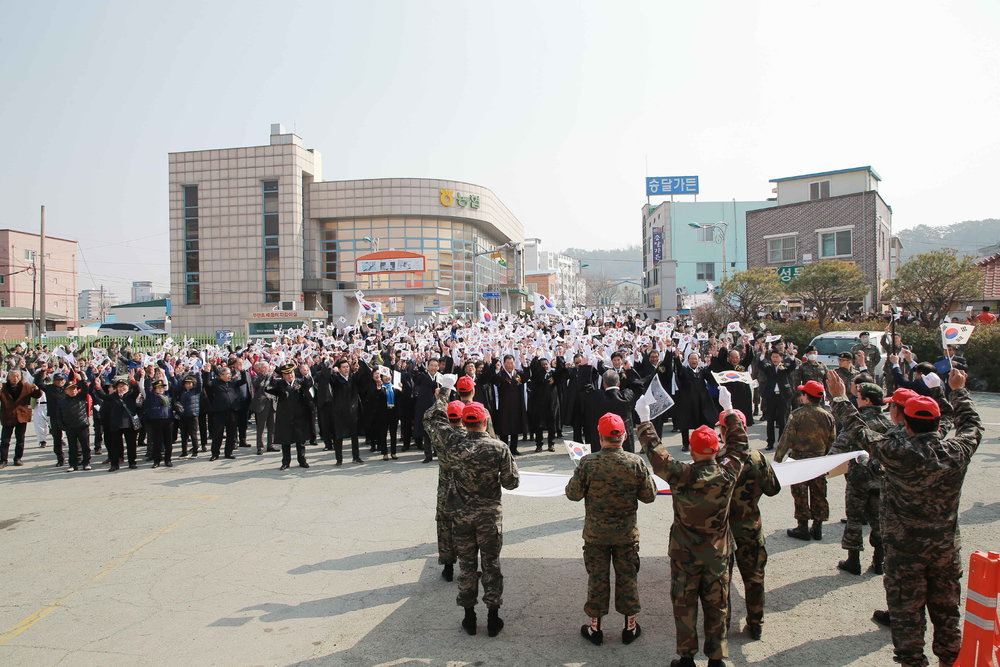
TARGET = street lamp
(719,238)
(475,272)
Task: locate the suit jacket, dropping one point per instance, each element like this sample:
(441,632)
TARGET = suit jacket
(615,400)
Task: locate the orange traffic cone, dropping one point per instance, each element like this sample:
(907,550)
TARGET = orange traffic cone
(981,634)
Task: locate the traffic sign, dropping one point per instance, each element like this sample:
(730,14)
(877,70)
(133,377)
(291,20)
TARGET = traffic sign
(491,295)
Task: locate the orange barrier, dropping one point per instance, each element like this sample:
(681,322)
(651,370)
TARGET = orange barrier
(981,634)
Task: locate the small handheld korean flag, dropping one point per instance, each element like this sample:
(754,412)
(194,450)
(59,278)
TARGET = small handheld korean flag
(485,316)
(734,327)
(657,398)
(956,334)
(576,450)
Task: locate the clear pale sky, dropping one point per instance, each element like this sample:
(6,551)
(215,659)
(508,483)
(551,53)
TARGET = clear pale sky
(557,106)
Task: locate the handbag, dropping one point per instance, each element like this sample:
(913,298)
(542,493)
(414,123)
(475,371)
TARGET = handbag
(22,413)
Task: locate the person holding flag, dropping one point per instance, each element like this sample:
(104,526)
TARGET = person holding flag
(485,316)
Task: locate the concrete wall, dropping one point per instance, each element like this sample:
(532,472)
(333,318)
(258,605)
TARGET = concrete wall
(790,192)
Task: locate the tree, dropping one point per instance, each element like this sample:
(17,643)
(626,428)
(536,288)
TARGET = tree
(829,285)
(746,293)
(600,290)
(932,282)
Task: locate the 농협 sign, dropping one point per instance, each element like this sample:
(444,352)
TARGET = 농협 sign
(671,185)
(657,245)
(451,197)
(788,273)
(390,261)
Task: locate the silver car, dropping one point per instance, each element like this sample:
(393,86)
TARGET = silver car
(129,329)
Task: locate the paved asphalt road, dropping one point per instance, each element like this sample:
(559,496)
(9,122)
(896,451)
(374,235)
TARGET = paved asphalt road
(236,563)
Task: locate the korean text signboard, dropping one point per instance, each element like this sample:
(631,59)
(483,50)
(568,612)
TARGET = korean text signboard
(788,273)
(671,185)
(657,245)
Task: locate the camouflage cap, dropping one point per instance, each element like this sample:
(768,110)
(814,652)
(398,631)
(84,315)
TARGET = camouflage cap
(875,392)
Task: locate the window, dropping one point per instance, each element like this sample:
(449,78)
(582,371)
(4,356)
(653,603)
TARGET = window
(705,233)
(819,190)
(272,255)
(3,279)
(705,270)
(29,255)
(192,265)
(835,244)
(781,250)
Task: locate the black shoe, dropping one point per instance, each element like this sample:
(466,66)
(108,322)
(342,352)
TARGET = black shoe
(328,449)
(155,465)
(133,466)
(469,622)
(359,460)
(303,464)
(685,448)
(882,618)
(260,452)
(754,631)
(243,444)
(339,463)
(817,530)
(60,463)
(113,467)
(716,662)
(3,464)
(427,459)
(270,449)
(494,624)
(229,456)
(514,452)
(683,662)
(800,532)
(98,451)
(41,444)
(594,637)
(852,564)
(552,448)
(538,448)
(629,636)
(449,572)
(878,561)
(213,457)
(843,521)
(284,466)
(168,464)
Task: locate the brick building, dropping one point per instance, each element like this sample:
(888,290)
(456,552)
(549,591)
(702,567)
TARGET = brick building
(827,215)
(21,276)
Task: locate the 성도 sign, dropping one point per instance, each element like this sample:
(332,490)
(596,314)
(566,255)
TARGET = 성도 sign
(390,261)
(657,243)
(788,273)
(671,185)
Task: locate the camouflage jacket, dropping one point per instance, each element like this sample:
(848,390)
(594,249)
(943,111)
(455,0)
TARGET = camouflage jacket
(756,478)
(847,375)
(923,476)
(612,481)
(809,370)
(872,355)
(809,432)
(701,492)
(479,465)
(862,475)
(446,486)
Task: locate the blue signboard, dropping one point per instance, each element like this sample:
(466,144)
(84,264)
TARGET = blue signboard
(223,337)
(657,245)
(671,185)
(491,295)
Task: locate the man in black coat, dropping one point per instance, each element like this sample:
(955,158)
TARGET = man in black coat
(424,384)
(693,407)
(776,392)
(292,413)
(510,413)
(347,407)
(322,375)
(574,407)
(615,399)
(652,366)
(543,400)
(224,406)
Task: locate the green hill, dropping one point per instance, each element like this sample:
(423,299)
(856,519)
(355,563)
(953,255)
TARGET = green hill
(968,238)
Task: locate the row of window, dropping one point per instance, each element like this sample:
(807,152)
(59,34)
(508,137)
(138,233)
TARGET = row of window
(831,245)
(192,268)
(272,255)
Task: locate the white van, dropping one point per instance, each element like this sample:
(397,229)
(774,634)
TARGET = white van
(829,345)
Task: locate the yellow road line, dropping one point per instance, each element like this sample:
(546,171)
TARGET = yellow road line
(37,616)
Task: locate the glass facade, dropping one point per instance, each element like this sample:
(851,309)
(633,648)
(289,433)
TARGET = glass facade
(447,245)
(192,271)
(272,264)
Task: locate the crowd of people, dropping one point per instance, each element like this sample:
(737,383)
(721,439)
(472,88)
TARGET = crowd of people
(472,394)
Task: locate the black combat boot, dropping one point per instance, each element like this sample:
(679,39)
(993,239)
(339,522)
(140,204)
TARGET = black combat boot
(629,635)
(882,618)
(686,661)
(449,572)
(494,624)
(595,637)
(754,631)
(469,622)
(817,530)
(716,662)
(853,562)
(800,532)
(300,452)
(878,561)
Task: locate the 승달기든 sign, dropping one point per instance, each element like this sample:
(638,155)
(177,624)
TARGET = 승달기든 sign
(671,185)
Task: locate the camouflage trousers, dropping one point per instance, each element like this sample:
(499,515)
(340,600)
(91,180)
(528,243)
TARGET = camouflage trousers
(930,578)
(446,542)
(598,559)
(861,503)
(709,583)
(751,559)
(478,539)
(810,500)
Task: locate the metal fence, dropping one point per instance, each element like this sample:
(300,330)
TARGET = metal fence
(145,344)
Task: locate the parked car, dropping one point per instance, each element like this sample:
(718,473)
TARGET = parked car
(829,345)
(129,329)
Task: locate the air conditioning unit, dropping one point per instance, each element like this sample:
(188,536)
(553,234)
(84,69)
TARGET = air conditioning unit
(287,305)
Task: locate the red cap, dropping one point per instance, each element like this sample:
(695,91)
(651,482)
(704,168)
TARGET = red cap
(922,407)
(473,413)
(465,385)
(813,388)
(901,396)
(455,409)
(704,440)
(738,413)
(611,425)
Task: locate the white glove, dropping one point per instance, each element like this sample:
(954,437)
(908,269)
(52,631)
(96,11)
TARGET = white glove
(448,380)
(932,380)
(725,400)
(642,408)
(862,457)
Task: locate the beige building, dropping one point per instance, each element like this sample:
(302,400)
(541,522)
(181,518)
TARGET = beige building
(258,240)
(20,274)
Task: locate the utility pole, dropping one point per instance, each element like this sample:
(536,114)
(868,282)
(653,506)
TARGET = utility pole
(41,264)
(34,280)
(100,312)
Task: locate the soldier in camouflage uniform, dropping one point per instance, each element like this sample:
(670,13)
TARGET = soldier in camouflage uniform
(480,465)
(756,478)
(442,515)
(809,369)
(845,369)
(809,433)
(612,481)
(701,543)
(923,475)
(869,349)
(862,493)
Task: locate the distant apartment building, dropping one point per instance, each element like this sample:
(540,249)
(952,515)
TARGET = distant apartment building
(95,304)
(553,274)
(826,215)
(21,276)
(142,290)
